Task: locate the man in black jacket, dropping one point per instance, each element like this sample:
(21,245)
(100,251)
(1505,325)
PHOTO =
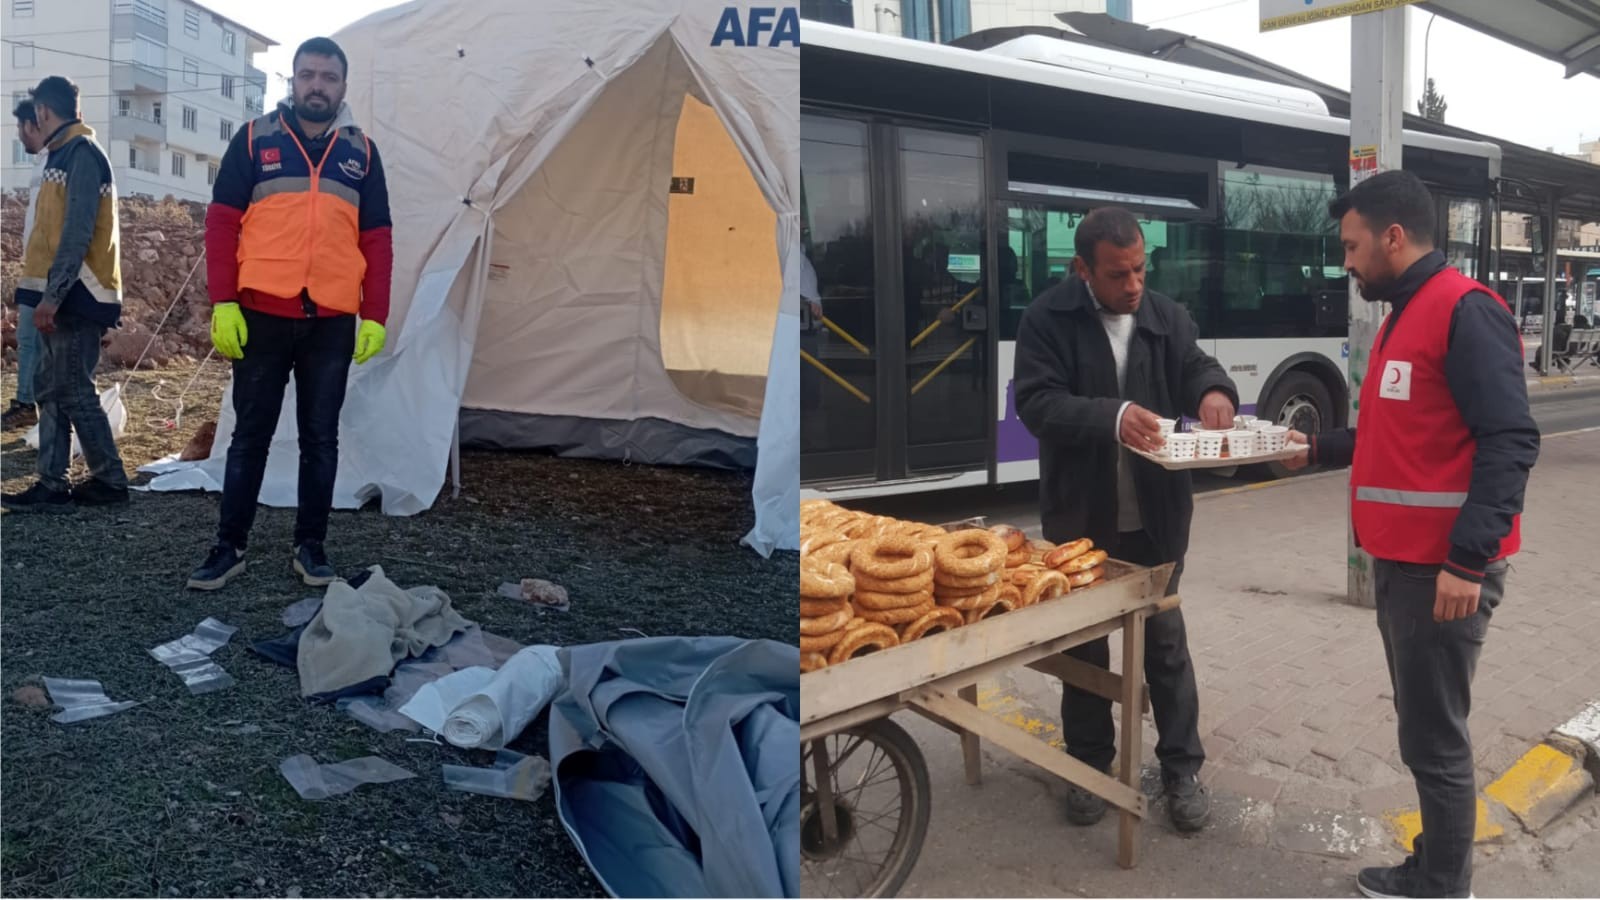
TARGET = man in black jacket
(1098,360)
(1440,567)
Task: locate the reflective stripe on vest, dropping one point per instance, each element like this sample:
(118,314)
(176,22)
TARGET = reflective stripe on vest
(1427,499)
(302,230)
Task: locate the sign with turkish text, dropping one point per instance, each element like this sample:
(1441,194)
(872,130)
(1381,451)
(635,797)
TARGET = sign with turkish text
(1276,14)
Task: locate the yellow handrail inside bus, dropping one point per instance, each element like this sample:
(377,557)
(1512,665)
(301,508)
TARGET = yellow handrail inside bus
(837,378)
(942,366)
(937,322)
(849,338)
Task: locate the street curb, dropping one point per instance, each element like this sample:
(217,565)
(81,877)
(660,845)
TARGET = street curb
(1533,791)
(1262,485)
(1549,383)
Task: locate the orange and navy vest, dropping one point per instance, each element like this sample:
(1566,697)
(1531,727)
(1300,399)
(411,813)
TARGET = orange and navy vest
(1413,456)
(302,232)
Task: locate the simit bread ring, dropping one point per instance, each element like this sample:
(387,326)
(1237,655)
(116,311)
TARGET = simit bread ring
(810,662)
(902,615)
(862,639)
(923,581)
(1048,586)
(970,553)
(946,580)
(993,608)
(1022,576)
(873,600)
(1018,558)
(814,627)
(817,539)
(973,601)
(1082,563)
(1067,552)
(824,580)
(1014,539)
(1012,593)
(946,593)
(820,643)
(1083,579)
(816,608)
(891,557)
(838,554)
(940,618)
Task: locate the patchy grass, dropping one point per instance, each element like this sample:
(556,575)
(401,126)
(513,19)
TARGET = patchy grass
(170,798)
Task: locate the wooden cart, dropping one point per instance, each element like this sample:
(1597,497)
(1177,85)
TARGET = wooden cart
(844,725)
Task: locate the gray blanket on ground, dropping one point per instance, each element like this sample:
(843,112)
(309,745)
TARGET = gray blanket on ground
(677,765)
(361,633)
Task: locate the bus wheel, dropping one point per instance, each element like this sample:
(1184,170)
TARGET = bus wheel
(1300,401)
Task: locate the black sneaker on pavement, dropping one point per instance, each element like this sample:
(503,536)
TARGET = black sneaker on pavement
(95,492)
(1085,808)
(1188,803)
(19,415)
(311,562)
(1386,882)
(37,498)
(222,563)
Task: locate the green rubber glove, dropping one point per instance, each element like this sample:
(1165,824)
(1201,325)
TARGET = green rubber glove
(369,340)
(228,333)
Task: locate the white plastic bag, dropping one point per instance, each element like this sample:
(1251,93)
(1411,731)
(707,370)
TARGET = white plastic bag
(116,413)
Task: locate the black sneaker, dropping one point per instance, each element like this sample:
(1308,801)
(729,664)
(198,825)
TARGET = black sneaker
(95,492)
(311,562)
(37,498)
(1388,881)
(1188,802)
(222,563)
(19,415)
(1085,808)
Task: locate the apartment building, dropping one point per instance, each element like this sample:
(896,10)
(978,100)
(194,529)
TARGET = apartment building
(164,84)
(946,20)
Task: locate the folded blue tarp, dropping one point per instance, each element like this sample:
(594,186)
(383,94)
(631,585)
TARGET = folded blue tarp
(677,765)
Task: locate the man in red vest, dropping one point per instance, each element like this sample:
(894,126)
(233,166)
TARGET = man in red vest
(1437,480)
(298,257)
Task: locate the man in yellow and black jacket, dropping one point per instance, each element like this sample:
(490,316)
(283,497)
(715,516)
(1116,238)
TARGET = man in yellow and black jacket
(71,285)
(298,248)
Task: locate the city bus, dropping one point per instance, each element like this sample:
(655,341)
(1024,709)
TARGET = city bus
(940,191)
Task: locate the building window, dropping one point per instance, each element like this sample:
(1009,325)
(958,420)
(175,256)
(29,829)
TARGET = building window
(21,9)
(227,130)
(125,107)
(191,72)
(19,153)
(22,55)
(230,42)
(155,112)
(211,173)
(149,54)
(178,160)
(153,10)
(191,23)
(191,119)
(133,157)
(252,103)
(227,86)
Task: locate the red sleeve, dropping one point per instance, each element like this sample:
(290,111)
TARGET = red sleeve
(377,246)
(222,251)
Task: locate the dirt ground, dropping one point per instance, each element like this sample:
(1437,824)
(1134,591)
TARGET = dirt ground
(182,795)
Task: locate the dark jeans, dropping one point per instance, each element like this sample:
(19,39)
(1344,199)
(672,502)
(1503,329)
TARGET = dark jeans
(318,352)
(1086,721)
(1431,666)
(64,388)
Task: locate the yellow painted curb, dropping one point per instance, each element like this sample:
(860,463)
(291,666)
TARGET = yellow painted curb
(1406,824)
(1539,786)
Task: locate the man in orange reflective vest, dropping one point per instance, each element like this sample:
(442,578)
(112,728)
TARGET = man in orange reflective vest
(298,248)
(1437,480)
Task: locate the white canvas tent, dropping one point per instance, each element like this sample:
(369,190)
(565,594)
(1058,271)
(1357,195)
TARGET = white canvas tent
(547,284)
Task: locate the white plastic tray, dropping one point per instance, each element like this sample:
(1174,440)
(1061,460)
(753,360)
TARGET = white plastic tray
(1223,463)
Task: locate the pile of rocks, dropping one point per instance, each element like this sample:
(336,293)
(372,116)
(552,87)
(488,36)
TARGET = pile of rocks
(162,242)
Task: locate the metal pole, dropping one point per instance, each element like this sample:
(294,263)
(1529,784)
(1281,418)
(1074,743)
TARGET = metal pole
(1552,264)
(1377,107)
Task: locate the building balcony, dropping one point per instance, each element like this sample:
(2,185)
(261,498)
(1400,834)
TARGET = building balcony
(130,76)
(125,26)
(134,126)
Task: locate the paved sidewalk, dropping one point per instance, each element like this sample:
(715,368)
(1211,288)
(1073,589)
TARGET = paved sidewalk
(1297,715)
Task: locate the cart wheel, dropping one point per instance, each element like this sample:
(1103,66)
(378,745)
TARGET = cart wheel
(877,788)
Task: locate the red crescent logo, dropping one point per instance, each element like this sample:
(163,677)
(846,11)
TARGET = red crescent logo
(1396,374)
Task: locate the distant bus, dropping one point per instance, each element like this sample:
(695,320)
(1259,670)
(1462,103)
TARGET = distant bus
(941,189)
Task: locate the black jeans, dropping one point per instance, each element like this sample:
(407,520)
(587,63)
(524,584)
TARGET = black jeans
(68,402)
(1086,721)
(317,351)
(1431,665)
